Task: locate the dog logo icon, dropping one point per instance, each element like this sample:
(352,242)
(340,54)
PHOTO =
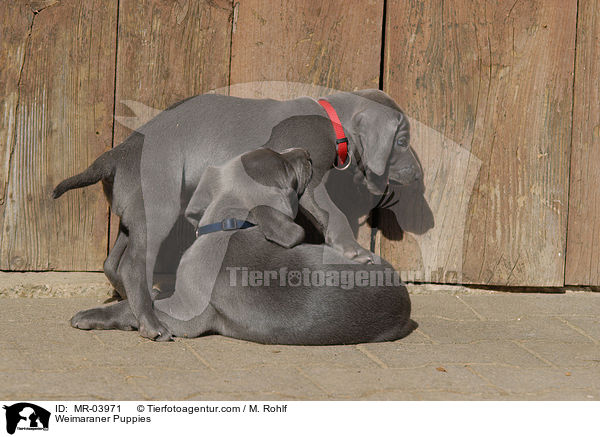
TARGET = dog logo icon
(26,416)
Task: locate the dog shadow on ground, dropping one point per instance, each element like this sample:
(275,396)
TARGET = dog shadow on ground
(403,208)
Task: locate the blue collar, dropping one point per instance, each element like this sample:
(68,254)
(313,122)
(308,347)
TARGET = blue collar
(229,224)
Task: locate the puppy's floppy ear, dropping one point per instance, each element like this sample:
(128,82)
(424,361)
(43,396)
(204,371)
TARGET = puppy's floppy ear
(301,164)
(202,195)
(376,130)
(277,227)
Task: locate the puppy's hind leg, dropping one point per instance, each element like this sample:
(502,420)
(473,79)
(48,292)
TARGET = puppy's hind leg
(114,316)
(132,270)
(111,264)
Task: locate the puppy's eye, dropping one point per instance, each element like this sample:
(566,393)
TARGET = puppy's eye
(400,142)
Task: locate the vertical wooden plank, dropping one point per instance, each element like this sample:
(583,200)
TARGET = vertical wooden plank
(14,41)
(168,51)
(489,86)
(57,89)
(285,49)
(583,250)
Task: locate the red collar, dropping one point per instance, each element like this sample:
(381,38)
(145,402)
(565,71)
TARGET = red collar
(341,142)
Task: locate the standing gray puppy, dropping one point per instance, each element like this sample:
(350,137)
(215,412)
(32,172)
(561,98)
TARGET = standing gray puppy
(288,301)
(150,178)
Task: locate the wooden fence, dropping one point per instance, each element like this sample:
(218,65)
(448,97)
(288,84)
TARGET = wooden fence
(504,100)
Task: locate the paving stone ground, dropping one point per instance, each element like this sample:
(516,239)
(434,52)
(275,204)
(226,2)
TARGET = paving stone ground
(470,345)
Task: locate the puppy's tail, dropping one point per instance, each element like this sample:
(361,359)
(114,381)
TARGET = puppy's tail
(101,169)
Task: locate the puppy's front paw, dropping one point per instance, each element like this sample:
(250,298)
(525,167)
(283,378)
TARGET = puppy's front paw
(154,330)
(99,318)
(82,320)
(359,254)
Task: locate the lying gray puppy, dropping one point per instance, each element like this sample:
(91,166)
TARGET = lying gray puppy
(150,178)
(308,303)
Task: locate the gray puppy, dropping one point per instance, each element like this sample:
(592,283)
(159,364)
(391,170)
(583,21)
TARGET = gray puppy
(150,178)
(212,296)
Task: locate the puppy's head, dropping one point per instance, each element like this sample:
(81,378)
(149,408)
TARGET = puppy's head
(383,133)
(262,177)
(290,169)
(282,178)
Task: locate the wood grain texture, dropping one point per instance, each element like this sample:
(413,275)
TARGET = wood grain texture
(286,49)
(168,51)
(57,96)
(583,251)
(489,85)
